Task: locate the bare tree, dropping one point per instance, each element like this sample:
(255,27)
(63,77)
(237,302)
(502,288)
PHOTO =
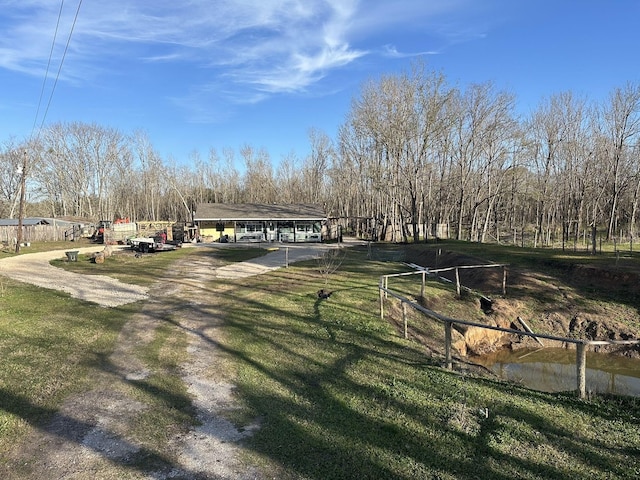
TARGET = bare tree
(329,262)
(621,126)
(259,185)
(11,159)
(152,177)
(289,179)
(482,136)
(546,131)
(314,170)
(232,187)
(77,165)
(393,129)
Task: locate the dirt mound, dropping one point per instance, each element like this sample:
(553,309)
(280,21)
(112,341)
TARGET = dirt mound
(487,280)
(562,304)
(605,278)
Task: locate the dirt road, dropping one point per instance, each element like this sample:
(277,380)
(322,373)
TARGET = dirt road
(34,268)
(90,436)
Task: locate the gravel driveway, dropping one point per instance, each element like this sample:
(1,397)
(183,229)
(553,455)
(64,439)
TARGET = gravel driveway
(89,437)
(34,268)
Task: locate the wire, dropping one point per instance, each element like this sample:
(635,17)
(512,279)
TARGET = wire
(46,73)
(55,83)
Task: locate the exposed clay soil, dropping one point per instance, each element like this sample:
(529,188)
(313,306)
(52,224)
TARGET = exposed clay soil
(574,301)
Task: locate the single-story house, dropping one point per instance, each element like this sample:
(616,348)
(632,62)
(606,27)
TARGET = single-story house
(258,222)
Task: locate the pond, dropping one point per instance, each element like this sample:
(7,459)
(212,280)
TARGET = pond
(554,370)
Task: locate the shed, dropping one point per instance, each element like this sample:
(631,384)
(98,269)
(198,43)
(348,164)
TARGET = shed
(39,229)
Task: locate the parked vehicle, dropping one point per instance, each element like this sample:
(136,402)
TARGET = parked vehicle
(152,244)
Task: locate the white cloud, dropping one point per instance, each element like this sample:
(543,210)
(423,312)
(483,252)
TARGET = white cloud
(392,52)
(265,46)
(250,36)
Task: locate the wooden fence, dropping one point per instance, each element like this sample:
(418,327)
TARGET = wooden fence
(581,344)
(459,287)
(35,233)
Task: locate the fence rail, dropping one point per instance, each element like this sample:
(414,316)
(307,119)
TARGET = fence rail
(581,344)
(424,272)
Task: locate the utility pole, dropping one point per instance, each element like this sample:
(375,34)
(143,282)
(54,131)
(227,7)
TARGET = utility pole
(23,182)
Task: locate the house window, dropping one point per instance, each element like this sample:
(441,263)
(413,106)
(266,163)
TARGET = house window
(285,227)
(248,227)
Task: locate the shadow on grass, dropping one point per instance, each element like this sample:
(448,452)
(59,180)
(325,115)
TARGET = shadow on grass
(339,398)
(109,445)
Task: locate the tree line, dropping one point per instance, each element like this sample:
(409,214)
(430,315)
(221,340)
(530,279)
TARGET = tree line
(413,153)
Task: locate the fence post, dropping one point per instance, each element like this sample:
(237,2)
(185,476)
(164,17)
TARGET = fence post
(504,281)
(424,274)
(447,344)
(381,304)
(404,320)
(457,282)
(386,286)
(581,366)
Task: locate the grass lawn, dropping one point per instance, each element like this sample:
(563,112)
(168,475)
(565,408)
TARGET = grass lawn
(337,392)
(49,345)
(341,396)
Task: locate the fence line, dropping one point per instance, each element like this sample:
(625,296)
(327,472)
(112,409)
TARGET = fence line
(581,344)
(35,233)
(459,287)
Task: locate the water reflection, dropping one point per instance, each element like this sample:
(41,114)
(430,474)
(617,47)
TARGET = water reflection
(554,370)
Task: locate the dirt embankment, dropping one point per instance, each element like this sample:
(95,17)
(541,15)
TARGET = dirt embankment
(575,301)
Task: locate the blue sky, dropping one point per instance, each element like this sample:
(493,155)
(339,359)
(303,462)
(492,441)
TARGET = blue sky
(204,74)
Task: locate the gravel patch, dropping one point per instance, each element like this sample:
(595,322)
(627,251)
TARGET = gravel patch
(90,437)
(34,268)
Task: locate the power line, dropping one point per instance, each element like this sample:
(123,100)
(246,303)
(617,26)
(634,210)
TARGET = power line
(23,173)
(66,48)
(46,73)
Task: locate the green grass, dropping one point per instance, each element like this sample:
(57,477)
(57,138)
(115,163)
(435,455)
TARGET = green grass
(341,396)
(36,247)
(536,258)
(49,344)
(337,392)
(125,266)
(150,267)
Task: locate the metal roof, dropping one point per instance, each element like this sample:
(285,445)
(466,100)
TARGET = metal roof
(258,211)
(31,221)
